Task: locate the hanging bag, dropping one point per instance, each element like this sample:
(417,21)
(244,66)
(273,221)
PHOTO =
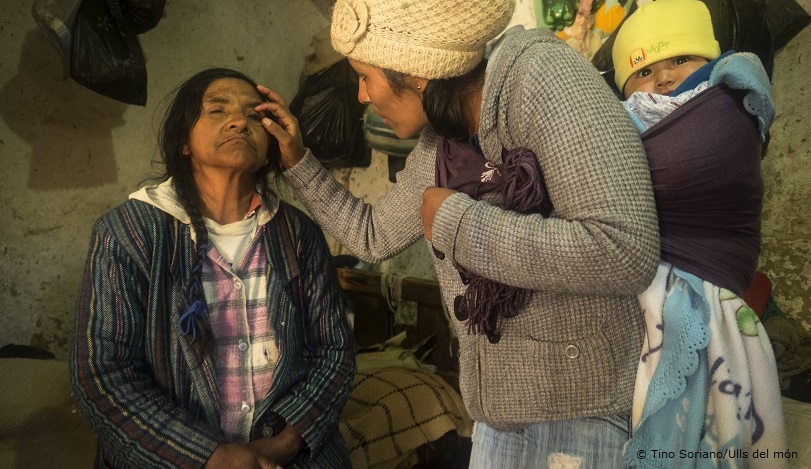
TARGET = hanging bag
(106,56)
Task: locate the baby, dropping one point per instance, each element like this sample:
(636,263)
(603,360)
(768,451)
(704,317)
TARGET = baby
(702,340)
(659,49)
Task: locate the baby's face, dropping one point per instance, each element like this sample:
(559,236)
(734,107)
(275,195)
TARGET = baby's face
(664,76)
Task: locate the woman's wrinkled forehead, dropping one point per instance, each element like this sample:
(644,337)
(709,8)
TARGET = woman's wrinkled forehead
(226,90)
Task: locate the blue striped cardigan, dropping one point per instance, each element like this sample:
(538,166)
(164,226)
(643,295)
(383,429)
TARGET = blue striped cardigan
(141,385)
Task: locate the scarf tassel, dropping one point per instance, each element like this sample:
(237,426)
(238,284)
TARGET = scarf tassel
(487,302)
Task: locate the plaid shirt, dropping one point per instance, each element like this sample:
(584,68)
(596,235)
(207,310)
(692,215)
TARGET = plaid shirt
(246,350)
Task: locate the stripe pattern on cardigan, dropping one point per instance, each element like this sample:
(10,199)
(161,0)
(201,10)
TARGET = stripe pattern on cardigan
(140,385)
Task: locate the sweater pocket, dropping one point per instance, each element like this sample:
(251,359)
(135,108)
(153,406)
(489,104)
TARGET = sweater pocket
(523,380)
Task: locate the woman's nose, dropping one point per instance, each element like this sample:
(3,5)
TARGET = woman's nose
(363,96)
(238,121)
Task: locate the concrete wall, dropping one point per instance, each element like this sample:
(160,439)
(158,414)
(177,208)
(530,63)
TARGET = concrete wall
(786,254)
(67,155)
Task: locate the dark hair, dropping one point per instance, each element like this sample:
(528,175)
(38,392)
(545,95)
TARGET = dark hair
(180,116)
(443,101)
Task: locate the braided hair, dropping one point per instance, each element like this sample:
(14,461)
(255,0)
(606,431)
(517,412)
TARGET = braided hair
(180,117)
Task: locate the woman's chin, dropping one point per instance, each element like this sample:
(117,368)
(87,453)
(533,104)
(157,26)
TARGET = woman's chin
(404,134)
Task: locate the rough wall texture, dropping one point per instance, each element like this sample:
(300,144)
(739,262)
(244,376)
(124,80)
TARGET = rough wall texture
(786,254)
(67,155)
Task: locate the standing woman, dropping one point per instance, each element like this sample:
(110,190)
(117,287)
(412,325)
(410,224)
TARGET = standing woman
(210,330)
(531,186)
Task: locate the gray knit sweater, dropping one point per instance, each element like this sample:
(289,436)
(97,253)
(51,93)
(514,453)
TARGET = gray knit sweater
(572,352)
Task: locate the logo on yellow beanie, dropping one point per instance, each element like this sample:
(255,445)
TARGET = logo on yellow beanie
(638,57)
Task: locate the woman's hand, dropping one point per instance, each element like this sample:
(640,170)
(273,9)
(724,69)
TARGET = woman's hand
(284,127)
(235,455)
(282,447)
(432,198)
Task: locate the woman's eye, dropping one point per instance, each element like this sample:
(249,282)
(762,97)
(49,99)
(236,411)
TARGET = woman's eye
(256,117)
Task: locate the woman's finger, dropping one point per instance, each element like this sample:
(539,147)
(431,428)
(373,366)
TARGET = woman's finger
(282,125)
(291,148)
(281,116)
(278,110)
(271,94)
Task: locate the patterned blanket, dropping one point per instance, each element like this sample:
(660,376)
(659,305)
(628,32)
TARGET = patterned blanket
(706,393)
(393,410)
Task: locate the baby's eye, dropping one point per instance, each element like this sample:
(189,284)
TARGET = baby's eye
(643,73)
(681,60)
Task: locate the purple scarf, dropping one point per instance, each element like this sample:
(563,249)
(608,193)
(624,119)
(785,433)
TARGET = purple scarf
(462,167)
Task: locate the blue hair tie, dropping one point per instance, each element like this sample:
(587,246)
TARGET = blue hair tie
(188,321)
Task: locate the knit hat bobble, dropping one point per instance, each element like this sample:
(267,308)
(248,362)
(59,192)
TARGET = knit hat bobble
(422,38)
(660,30)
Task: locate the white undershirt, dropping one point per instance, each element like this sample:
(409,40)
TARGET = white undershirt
(233,239)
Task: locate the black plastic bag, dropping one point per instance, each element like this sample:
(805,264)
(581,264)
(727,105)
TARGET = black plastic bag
(786,19)
(330,117)
(741,25)
(106,56)
(757,26)
(145,14)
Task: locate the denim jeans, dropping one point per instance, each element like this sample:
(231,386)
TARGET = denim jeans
(595,442)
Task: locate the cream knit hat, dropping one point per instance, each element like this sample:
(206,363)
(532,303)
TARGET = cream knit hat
(660,30)
(423,38)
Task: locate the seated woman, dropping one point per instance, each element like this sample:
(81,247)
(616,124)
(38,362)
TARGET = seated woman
(210,329)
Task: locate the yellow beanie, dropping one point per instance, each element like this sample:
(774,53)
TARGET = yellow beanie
(423,38)
(660,30)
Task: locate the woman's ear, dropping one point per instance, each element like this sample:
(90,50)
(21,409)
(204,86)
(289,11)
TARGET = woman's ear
(185,150)
(418,84)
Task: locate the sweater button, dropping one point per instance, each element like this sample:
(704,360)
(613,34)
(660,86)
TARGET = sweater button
(459,309)
(439,254)
(572,351)
(493,338)
(465,278)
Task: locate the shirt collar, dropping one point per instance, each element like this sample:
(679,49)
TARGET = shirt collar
(256,204)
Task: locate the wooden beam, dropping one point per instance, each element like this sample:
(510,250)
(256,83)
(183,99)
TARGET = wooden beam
(363,282)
